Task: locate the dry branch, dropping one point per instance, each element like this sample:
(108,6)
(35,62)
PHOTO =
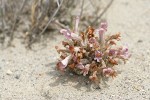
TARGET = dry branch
(40,18)
(15,22)
(103,12)
(54,14)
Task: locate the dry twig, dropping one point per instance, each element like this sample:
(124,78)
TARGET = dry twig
(3,13)
(54,14)
(15,22)
(107,7)
(81,8)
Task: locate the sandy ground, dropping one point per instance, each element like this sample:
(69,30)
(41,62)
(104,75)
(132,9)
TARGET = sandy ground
(31,75)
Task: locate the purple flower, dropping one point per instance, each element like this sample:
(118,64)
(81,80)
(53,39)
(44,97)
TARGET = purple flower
(66,33)
(92,40)
(102,29)
(98,56)
(63,64)
(85,69)
(69,35)
(72,35)
(80,66)
(74,58)
(112,52)
(104,25)
(108,72)
(123,52)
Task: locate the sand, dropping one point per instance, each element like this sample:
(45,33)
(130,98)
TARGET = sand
(31,75)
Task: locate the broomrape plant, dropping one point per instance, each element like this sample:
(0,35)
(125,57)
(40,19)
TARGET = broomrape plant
(91,53)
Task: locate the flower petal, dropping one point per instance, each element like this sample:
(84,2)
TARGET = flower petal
(63,64)
(80,66)
(66,60)
(98,56)
(86,69)
(112,52)
(70,35)
(66,33)
(101,30)
(109,72)
(75,36)
(123,52)
(104,25)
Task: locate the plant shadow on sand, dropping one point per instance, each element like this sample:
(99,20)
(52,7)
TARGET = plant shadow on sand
(61,82)
(76,81)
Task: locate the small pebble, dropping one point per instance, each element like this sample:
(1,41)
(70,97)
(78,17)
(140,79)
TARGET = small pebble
(98,87)
(9,72)
(71,74)
(3,60)
(87,82)
(17,76)
(139,41)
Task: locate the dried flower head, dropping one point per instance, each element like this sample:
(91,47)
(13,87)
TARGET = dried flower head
(91,53)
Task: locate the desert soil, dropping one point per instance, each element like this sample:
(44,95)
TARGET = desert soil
(31,75)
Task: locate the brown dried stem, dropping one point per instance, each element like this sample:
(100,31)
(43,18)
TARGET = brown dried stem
(103,12)
(15,22)
(54,14)
(82,8)
(3,13)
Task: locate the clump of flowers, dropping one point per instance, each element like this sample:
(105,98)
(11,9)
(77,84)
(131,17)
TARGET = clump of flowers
(91,53)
